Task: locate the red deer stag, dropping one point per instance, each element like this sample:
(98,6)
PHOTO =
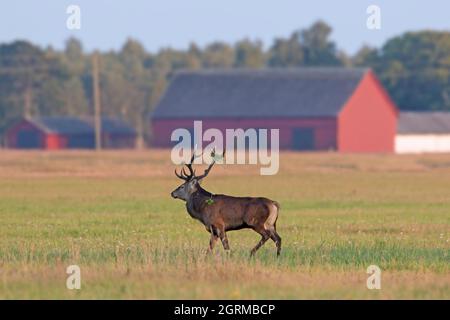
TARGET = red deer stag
(221,213)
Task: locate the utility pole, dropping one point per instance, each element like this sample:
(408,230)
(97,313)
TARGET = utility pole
(28,101)
(97,102)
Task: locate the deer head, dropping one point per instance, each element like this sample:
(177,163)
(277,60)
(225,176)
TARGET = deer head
(191,180)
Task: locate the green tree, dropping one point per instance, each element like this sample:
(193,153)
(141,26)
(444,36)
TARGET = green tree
(194,57)
(366,56)
(22,67)
(75,57)
(415,68)
(286,52)
(218,55)
(307,47)
(249,54)
(136,103)
(318,50)
(74,95)
(26,71)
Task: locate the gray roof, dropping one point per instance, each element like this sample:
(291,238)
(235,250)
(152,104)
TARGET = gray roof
(76,125)
(113,126)
(424,122)
(300,92)
(62,125)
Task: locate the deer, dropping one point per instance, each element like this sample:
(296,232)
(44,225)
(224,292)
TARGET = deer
(220,213)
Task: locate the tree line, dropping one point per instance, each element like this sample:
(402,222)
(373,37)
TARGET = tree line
(414,67)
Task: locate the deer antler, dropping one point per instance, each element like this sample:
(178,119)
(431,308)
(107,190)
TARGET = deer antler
(183,174)
(189,165)
(213,156)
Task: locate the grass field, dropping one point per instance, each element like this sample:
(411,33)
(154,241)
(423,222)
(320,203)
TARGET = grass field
(111,214)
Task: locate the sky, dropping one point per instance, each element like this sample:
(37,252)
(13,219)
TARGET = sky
(105,25)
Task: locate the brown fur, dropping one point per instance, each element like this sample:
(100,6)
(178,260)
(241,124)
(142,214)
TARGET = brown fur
(221,213)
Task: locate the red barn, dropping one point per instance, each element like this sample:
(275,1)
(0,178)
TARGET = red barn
(343,109)
(54,133)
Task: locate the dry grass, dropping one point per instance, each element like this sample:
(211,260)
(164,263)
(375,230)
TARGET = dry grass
(220,280)
(110,213)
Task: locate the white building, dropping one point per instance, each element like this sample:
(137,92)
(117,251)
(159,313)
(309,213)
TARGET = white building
(420,132)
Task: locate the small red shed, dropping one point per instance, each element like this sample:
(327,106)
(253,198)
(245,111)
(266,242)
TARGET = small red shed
(53,133)
(342,109)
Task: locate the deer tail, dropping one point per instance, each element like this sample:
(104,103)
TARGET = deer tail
(277,205)
(271,221)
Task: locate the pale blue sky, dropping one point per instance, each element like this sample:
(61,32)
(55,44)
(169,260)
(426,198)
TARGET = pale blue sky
(175,23)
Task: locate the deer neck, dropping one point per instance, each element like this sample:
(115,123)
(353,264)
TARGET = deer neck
(196,203)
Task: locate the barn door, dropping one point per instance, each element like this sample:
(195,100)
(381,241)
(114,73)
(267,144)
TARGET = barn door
(303,139)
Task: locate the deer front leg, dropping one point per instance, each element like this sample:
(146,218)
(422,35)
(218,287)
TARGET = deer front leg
(213,239)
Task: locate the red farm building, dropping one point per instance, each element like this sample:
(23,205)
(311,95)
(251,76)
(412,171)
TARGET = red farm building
(342,109)
(53,133)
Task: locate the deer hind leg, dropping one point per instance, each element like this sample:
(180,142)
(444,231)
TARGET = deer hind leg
(264,237)
(277,239)
(270,226)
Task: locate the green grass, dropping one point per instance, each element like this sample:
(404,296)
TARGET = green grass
(115,220)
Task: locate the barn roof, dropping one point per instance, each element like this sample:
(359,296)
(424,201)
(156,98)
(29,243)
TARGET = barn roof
(63,125)
(76,125)
(423,122)
(113,125)
(301,92)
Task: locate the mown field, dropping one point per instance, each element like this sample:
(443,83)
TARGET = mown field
(111,214)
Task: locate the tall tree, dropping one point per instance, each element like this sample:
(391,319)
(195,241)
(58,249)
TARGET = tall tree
(415,68)
(249,54)
(286,52)
(317,48)
(133,57)
(22,67)
(74,59)
(26,73)
(74,56)
(194,57)
(366,56)
(218,55)
(307,47)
